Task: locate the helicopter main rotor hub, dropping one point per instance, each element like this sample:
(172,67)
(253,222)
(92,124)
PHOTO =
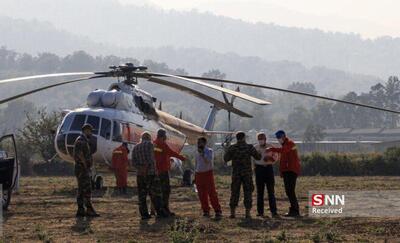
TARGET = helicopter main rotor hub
(128,71)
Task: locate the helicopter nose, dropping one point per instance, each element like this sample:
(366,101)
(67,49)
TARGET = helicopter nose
(65,143)
(60,143)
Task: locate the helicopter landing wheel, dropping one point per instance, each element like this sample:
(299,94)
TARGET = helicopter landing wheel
(6,198)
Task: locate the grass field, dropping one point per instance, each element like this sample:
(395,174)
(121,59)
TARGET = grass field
(44,209)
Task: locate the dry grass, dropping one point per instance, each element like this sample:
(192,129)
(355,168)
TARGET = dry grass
(43,211)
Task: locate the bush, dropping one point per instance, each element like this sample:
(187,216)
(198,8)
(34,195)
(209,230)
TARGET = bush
(183,231)
(55,168)
(335,164)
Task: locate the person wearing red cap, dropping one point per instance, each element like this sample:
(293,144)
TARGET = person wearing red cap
(289,169)
(119,164)
(163,154)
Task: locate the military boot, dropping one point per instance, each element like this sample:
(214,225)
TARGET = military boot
(233,213)
(124,191)
(248,213)
(81,212)
(90,212)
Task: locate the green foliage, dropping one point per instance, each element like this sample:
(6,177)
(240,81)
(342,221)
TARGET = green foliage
(42,234)
(38,132)
(337,115)
(36,138)
(282,236)
(183,231)
(335,164)
(313,133)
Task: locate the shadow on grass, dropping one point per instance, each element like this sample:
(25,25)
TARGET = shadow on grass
(271,224)
(156,225)
(6,215)
(251,223)
(104,192)
(82,226)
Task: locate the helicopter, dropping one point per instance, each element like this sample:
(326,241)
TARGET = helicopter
(123,111)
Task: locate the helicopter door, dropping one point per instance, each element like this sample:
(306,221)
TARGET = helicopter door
(9,168)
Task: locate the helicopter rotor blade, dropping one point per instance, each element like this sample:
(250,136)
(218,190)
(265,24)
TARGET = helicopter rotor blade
(219,104)
(293,92)
(50,75)
(48,87)
(211,86)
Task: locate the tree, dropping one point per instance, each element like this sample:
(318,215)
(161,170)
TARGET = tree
(306,87)
(37,135)
(392,94)
(214,73)
(299,118)
(313,133)
(13,116)
(47,62)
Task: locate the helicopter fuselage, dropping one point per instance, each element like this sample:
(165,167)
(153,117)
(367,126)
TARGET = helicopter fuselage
(118,115)
(111,128)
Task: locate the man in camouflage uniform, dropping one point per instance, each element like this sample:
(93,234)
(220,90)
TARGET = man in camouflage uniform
(240,154)
(148,182)
(83,163)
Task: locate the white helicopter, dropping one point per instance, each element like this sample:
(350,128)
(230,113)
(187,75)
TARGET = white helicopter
(123,111)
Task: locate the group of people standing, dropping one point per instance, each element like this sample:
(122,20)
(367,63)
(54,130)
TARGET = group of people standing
(263,155)
(152,161)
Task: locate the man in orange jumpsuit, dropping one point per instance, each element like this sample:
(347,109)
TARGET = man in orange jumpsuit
(163,154)
(120,166)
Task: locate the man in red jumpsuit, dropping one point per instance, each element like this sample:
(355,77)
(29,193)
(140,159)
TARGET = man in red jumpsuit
(289,169)
(163,154)
(120,167)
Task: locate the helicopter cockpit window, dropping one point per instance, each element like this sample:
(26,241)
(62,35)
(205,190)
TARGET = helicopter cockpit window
(78,122)
(66,124)
(105,130)
(95,122)
(117,134)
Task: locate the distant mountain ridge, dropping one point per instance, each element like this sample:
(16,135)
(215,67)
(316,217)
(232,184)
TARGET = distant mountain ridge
(107,21)
(35,37)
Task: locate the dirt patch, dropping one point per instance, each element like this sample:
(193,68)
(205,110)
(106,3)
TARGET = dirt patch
(44,208)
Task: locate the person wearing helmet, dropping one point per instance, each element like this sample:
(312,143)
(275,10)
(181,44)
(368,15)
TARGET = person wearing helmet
(119,164)
(289,169)
(83,163)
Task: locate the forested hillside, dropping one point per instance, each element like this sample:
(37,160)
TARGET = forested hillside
(129,26)
(38,37)
(287,111)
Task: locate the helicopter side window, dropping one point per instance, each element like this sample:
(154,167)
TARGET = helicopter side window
(95,122)
(144,106)
(139,102)
(105,130)
(117,135)
(78,122)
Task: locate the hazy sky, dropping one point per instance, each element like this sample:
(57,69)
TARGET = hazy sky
(370,18)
